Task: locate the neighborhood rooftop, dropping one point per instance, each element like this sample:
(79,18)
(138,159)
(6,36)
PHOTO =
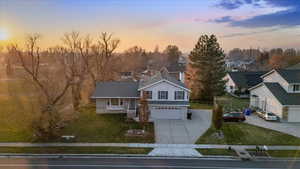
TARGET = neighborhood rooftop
(282,96)
(246,79)
(291,75)
(161,75)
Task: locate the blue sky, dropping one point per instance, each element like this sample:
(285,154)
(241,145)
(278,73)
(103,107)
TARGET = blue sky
(147,23)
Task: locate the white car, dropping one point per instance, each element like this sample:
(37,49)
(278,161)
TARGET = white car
(267,116)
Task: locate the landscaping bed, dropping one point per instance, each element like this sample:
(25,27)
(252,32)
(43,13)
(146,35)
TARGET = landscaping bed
(75,150)
(246,134)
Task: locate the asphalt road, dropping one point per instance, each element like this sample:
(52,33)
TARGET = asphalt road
(141,163)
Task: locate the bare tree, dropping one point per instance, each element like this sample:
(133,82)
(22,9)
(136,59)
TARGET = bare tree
(51,87)
(144,110)
(75,58)
(103,64)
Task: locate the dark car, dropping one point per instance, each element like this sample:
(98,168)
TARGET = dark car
(234,117)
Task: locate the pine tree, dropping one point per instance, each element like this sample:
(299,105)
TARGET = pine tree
(207,69)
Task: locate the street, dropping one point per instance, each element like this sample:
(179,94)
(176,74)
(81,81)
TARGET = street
(139,163)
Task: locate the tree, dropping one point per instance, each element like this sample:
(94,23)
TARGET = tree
(103,65)
(207,69)
(144,110)
(72,58)
(218,117)
(50,85)
(173,53)
(135,59)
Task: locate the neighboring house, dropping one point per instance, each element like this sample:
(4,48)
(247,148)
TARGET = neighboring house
(168,98)
(294,67)
(279,93)
(238,83)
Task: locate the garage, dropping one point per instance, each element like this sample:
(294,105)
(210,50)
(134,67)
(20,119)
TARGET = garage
(294,114)
(168,112)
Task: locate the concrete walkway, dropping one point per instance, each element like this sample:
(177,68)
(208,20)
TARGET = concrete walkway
(175,152)
(182,131)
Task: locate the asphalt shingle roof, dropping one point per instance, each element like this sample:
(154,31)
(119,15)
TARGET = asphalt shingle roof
(282,96)
(291,75)
(161,75)
(246,79)
(116,89)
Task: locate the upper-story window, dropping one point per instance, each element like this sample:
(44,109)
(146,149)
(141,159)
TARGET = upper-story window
(296,88)
(162,95)
(179,95)
(148,94)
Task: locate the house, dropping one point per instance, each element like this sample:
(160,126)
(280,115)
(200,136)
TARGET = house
(238,83)
(279,93)
(168,98)
(177,71)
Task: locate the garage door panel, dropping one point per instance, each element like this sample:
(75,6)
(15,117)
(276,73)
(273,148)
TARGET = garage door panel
(161,112)
(294,115)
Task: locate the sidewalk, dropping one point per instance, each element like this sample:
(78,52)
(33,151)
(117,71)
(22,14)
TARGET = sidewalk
(145,145)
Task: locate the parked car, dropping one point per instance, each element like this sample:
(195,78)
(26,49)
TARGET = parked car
(267,116)
(234,117)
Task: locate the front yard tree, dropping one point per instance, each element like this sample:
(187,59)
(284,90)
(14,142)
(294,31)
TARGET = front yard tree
(50,85)
(207,69)
(218,117)
(144,110)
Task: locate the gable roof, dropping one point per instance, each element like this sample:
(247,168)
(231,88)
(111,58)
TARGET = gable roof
(290,75)
(160,76)
(246,79)
(282,96)
(116,90)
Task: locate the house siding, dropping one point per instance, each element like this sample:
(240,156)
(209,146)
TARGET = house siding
(101,106)
(264,95)
(276,78)
(165,86)
(229,83)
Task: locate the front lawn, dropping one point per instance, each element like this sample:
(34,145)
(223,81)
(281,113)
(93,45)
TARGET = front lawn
(284,153)
(75,150)
(196,105)
(106,128)
(246,134)
(221,152)
(231,103)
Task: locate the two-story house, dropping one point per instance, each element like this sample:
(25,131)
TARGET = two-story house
(168,97)
(279,93)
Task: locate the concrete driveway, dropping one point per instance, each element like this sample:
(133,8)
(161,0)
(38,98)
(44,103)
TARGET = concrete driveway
(284,127)
(182,131)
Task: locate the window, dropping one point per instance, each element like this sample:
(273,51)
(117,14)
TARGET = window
(114,102)
(163,95)
(149,94)
(296,88)
(179,95)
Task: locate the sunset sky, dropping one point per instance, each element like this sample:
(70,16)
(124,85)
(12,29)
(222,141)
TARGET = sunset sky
(148,23)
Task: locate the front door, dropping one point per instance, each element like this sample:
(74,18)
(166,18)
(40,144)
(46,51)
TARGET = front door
(131,104)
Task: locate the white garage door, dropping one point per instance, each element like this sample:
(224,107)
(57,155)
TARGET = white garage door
(168,112)
(294,115)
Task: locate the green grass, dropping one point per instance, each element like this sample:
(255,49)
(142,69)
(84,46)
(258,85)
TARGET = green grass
(92,127)
(246,134)
(231,103)
(75,150)
(224,152)
(195,105)
(284,153)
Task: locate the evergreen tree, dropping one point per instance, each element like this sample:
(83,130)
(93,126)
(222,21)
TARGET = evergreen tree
(207,69)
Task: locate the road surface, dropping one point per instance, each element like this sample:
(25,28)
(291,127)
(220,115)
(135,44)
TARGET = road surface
(141,163)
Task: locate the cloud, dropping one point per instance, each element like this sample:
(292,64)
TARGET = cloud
(283,18)
(287,17)
(224,19)
(250,33)
(235,4)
